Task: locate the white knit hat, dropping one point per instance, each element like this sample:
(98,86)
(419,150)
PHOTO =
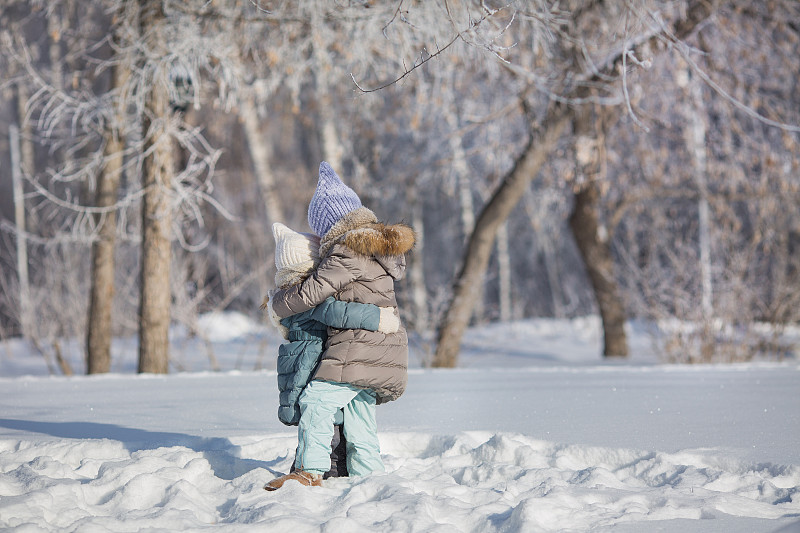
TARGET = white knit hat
(294,252)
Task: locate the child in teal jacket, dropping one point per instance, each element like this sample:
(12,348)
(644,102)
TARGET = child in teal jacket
(306,333)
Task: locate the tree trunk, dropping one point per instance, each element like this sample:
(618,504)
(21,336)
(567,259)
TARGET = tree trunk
(22,244)
(504,273)
(546,235)
(98,336)
(551,268)
(590,235)
(469,282)
(596,254)
(156,216)
(460,171)
(27,150)
(463,184)
(332,149)
(259,151)
(697,147)
(57,22)
(584,221)
(416,272)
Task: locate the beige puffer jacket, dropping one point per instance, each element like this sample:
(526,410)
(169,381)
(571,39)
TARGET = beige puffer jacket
(361,260)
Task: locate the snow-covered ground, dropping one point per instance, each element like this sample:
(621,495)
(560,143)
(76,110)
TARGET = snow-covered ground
(534,432)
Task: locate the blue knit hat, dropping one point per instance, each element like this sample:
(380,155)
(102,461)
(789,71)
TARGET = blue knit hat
(332,200)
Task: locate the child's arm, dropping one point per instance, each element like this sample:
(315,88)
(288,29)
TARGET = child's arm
(333,273)
(354,315)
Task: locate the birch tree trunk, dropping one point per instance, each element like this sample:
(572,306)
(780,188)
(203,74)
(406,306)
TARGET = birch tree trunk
(461,171)
(545,235)
(19,220)
(469,282)
(56,23)
(27,158)
(550,266)
(504,273)
(101,296)
(332,149)
(18,194)
(259,151)
(463,184)
(156,216)
(27,152)
(416,273)
(697,142)
(697,147)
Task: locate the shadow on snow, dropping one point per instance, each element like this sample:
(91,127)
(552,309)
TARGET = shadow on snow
(223,456)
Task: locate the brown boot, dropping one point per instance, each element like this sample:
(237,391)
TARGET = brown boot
(301,476)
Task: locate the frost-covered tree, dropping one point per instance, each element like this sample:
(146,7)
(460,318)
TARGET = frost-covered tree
(707,232)
(134,65)
(540,123)
(569,57)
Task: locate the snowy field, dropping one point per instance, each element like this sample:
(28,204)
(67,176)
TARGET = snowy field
(535,432)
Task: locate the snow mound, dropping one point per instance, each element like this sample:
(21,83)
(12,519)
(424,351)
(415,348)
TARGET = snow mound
(227,326)
(471,481)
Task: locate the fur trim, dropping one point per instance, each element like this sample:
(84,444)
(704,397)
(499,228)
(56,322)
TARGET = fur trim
(380,239)
(352,220)
(288,276)
(271,316)
(360,231)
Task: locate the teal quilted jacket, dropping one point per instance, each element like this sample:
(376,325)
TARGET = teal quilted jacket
(298,359)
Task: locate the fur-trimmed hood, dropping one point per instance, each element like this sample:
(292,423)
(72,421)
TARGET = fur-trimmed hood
(292,275)
(360,231)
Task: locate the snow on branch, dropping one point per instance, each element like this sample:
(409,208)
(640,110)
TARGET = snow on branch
(76,123)
(469,36)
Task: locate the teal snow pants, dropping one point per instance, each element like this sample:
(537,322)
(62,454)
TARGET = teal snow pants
(318,405)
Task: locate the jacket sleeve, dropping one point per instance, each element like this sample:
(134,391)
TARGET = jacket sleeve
(333,273)
(347,315)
